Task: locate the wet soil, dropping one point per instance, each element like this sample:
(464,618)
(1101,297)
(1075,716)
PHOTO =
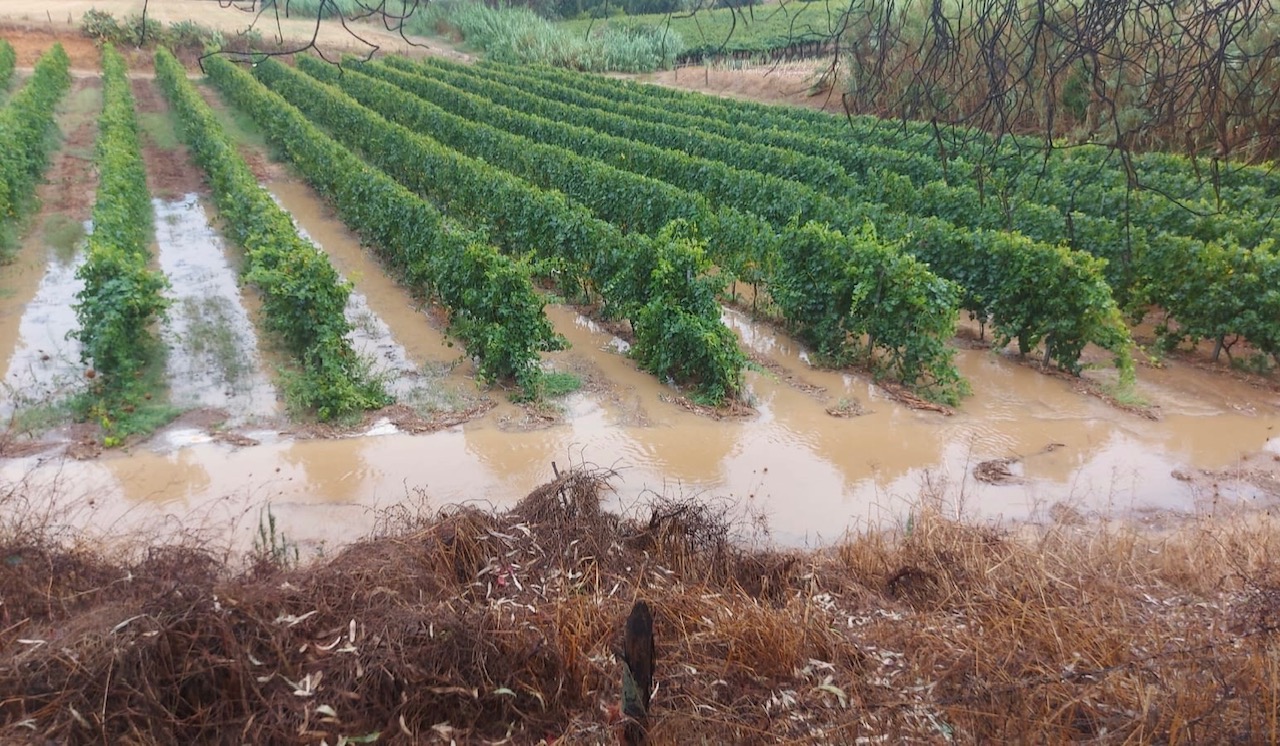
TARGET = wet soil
(171,172)
(42,366)
(818,451)
(70,181)
(213,359)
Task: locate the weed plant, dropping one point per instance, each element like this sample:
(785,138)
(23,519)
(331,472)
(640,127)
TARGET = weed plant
(518,35)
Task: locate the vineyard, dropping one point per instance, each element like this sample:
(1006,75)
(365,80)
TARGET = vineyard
(484,187)
(1049,268)
(853,404)
(1203,256)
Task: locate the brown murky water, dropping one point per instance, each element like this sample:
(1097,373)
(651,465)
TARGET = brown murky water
(40,365)
(389,327)
(810,474)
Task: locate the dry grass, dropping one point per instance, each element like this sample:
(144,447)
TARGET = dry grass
(482,627)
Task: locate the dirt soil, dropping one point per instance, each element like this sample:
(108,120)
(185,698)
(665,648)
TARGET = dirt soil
(32,41)
(782,83)
(37,22)
(171,172)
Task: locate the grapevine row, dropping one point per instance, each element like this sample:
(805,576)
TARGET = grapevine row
(915,353)
(909,181)
(8,59)
(303,298)
(962,206)
(1153,266)
(1084,312)
(678,333)
(122,298)
(1220,291)
(24,126)
(494,309)
(781,153)
(1018,153)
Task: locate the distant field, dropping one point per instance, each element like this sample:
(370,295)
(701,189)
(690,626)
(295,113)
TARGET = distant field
(727,32)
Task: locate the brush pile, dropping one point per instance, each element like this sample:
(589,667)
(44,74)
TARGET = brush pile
(478,627)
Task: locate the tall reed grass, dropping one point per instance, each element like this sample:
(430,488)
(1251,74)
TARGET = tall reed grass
(518,35)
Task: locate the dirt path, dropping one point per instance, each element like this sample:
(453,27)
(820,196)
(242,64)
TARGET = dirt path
(170,170)
(33,24)
(70,183)
(250,143)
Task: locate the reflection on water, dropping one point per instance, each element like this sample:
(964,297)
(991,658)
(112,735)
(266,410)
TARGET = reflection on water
(811,474)
(213,358)
(45,364)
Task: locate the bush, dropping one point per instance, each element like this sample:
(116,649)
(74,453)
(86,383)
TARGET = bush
(102,27)
(24,126)
(8,58)
(679,334)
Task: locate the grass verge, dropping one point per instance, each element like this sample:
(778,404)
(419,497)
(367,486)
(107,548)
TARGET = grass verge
(558,383)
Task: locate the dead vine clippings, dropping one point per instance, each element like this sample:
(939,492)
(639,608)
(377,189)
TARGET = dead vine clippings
(473,626)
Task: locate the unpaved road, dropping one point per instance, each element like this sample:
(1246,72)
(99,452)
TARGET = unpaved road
(41,17)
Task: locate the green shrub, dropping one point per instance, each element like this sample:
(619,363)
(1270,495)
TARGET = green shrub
(25,123)
(122,298)
(8,59)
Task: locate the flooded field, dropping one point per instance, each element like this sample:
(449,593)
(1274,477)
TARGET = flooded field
(213,356)
(43,362)
(820,452)
(408,359)
(809,473)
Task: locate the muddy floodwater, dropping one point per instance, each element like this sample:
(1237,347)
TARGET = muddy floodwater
(810,474)
(404,359)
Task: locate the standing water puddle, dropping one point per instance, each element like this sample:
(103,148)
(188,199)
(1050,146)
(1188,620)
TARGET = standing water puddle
(811,474)
(213,358)
(44,366)
(370,335)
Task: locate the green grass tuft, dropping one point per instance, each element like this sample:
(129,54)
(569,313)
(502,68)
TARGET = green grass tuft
(555,383)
